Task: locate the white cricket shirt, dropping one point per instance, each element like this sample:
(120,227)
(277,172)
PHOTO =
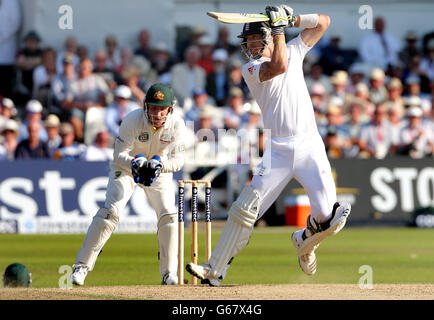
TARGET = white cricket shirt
(284,100)
(137,136)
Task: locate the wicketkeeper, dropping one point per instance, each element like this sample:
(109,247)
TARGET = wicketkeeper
(148,150)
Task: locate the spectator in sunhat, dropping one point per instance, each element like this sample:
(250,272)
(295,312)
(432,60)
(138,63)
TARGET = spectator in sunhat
(377,90)
(33,112)
(416,140)
(8,139)
(119,108)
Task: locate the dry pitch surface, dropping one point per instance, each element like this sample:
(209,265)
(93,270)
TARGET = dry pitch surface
(229,292)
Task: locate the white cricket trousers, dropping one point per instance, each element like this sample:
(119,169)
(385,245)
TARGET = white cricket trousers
(303,158)
(161,197)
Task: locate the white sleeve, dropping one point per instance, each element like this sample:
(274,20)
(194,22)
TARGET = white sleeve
(251,72)
(297,45)
(124,143)
(175,161)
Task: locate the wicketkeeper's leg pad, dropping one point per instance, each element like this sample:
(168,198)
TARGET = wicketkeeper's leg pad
(238,228)
(168,243)
(102,226)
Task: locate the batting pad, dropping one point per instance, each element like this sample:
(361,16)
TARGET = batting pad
(102,226)
(246,208)
(168,244)
(238,228)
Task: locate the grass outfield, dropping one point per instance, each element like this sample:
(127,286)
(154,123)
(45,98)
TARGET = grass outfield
(402,255)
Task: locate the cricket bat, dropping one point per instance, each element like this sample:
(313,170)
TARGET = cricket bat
(238,17)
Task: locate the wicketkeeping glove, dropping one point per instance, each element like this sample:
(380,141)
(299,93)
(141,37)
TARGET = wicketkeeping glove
(155,166)
(137,163)
(151,171)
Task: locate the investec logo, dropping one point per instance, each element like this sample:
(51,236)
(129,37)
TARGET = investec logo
(23,195)
(23,199)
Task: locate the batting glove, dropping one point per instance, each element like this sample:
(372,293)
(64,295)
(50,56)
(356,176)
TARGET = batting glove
(278,19)
(290,13)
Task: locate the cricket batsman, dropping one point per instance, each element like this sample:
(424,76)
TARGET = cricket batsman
(148,150)
(275,79)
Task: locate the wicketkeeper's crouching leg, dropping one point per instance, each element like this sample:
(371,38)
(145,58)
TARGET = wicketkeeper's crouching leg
(235,236)
(102,226)
(168,246)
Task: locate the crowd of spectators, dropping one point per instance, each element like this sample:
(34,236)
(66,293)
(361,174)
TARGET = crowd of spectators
(371,102)
(375,102)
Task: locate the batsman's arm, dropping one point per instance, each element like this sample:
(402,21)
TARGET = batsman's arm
(280,18)
(279,60)
(315,26)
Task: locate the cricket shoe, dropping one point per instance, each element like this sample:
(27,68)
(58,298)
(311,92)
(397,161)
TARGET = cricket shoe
(211,282)
(169,279)
(308,239)
(79,274)
(217,282)
(307,261)
(205,273)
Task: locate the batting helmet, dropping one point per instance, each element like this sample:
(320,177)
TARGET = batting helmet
(16,275)
(261,28)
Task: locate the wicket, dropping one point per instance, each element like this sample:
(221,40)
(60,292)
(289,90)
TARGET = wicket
(194,213)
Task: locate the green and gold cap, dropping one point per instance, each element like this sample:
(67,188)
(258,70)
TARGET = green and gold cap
(160,95)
